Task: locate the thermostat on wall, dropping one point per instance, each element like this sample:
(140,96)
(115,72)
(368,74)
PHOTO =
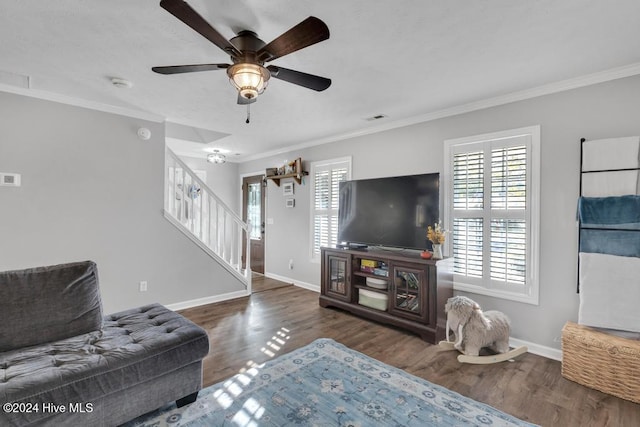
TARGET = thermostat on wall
(10,179)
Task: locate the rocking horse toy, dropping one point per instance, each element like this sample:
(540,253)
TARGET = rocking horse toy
(475,330)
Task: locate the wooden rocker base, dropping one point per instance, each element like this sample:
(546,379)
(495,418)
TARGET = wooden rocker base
(485,360)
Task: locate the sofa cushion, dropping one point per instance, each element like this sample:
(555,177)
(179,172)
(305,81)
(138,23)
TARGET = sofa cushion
(46,304)
(133,347)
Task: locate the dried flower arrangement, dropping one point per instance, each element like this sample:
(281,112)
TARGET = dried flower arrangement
(436,234)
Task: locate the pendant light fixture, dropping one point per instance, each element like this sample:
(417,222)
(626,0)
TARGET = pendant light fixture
(216,157)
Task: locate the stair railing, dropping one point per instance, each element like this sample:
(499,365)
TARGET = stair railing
(198,212)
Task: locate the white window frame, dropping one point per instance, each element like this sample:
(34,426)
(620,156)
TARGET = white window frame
(329,165)
(530,292)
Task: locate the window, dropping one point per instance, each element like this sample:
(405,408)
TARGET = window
(254,207)
(326,177)
(492,211)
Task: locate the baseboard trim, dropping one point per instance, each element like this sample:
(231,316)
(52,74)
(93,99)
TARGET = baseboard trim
(540,350)
(206,300)
(298,283)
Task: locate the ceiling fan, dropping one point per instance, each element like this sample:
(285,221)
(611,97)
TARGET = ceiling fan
(249,54)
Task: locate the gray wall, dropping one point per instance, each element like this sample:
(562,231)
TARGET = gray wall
(603,110)
(92,190)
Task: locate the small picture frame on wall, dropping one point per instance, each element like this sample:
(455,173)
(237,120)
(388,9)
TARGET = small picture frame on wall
(287,189)
(290,203)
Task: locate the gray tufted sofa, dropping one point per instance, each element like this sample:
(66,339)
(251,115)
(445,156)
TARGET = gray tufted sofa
(63,363)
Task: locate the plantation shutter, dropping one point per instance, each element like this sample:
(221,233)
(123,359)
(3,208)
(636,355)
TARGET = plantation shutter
(490,220)
(326,177)
(468,203)
(508,220)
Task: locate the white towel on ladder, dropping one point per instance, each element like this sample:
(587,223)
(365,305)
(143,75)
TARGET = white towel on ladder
(609,291)
(607,154)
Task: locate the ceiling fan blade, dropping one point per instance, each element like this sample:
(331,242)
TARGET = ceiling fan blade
(177,69)
(181,10)
(299,78)
(310,31)
(244,101)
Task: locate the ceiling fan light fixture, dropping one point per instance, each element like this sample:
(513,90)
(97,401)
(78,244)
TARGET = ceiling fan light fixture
(216,157)
(249,79)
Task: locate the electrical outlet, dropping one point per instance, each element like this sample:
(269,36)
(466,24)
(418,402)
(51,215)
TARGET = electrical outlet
(291,264)
(143,286)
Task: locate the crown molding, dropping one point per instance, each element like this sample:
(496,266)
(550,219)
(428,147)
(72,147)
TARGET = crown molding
(83,103)
(548,89)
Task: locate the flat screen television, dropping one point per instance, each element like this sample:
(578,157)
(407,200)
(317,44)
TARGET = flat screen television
(392,211)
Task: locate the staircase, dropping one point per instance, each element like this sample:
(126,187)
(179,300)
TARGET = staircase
(194,209)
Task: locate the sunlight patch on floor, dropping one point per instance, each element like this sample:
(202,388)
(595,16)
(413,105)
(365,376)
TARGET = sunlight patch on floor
(251,411)
(280,337)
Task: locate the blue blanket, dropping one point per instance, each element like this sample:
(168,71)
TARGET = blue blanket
(610,225)
(620,212)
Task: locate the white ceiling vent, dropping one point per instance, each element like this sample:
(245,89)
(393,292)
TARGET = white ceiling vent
(376,117)
(121,83)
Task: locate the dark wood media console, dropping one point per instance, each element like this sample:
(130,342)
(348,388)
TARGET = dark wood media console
(396,288)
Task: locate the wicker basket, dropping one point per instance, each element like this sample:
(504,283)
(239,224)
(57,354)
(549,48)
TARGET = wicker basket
(601,361)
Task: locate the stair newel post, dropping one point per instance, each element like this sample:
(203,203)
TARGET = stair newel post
(247,270)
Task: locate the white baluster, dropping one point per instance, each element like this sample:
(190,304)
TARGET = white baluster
(183,201)
(208,220)
(200,202)
(238,240)
(224,237)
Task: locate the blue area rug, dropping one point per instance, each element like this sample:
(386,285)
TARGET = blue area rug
(327,384)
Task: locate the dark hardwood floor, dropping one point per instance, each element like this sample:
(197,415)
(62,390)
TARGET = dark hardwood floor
(252,330)
(261,283)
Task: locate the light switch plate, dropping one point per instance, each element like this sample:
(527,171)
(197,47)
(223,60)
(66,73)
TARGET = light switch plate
(10,179)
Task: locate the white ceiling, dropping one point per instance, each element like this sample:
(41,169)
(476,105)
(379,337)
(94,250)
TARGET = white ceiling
(399,58)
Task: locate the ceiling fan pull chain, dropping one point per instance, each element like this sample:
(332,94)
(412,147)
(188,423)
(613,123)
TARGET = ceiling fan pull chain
(248,113)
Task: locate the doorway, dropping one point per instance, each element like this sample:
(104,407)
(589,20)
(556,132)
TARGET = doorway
(253,212)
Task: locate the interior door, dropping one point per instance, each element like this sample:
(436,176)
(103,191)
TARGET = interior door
(253,192)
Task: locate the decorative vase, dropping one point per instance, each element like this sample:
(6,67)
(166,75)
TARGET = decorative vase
(437,251)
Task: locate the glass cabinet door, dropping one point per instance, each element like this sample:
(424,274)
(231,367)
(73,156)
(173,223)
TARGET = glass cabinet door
(338,284)
(409,297)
